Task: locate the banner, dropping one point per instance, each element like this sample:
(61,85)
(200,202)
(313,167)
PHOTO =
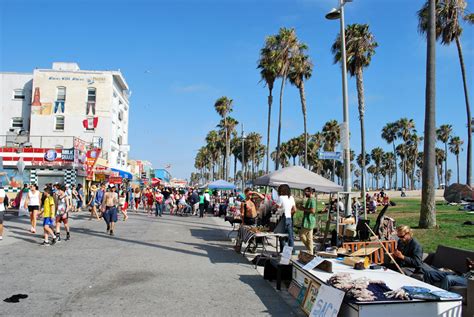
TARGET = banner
(68,155)
(91,159)
(115,180)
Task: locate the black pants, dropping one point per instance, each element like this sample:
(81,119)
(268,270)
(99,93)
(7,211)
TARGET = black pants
(201,210)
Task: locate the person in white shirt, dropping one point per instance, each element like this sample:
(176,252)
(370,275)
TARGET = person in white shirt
(33,204)
(2,209)
(286,207)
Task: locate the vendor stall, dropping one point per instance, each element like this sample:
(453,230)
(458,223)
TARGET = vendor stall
(374,304)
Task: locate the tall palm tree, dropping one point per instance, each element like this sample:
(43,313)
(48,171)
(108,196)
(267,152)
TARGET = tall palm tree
(455,146)
(223,107)
(449,14)
(377,156)
(213,145)
(440,157)
(301,70)
(228,125)
(406,127)
(285,45)
(332,136)
(269,72)
(360,47)
(428,207)
(443,133)
(389,134)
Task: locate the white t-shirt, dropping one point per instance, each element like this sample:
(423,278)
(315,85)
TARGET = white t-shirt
(2,195)
(207,197)
(285,205)
(34,198)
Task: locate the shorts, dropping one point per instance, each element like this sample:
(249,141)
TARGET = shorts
(62,218)
(33,208)
(1,217)
(48,222)
(110,214)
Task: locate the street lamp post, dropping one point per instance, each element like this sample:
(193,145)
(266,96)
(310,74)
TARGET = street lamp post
(333,15)
(243,158)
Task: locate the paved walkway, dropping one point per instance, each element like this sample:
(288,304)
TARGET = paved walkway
(170,266)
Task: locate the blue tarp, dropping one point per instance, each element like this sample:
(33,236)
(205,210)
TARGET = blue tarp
(221,184)
(123,174)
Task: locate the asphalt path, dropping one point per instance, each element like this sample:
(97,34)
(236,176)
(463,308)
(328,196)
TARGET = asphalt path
(169,266)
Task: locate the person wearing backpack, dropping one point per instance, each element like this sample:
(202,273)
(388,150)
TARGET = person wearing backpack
(309,219)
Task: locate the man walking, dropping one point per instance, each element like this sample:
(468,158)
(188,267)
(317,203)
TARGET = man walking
(309,219)
(109,209)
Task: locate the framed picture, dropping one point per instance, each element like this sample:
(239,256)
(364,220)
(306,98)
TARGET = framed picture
(310,297)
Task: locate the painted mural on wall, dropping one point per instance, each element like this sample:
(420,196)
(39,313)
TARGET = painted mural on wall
(11,177)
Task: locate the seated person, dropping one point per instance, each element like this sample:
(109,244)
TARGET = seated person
(409,253)
(447,279)
(372,206)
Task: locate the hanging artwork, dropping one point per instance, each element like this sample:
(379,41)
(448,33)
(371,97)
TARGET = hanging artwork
(90,123)
(36,104)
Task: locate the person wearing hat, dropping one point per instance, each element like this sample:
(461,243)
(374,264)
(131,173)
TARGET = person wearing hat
(91,203)
(109,208)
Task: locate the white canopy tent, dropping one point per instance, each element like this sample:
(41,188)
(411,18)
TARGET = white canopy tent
(298,177)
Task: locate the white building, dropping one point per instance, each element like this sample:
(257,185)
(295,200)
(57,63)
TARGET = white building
(90,105)
(15,100)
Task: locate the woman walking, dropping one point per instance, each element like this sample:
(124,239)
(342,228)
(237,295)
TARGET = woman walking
(32,203)
(92,205)
(136,198)
(287,208)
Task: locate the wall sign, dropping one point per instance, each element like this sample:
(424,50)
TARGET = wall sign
(68,155)
(327,303)
(50,155)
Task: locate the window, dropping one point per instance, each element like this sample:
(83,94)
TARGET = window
(120,115)
(17,122)
(61,94)
(90,124)
(18,94)
(91,94)
(119,140)
(59,123)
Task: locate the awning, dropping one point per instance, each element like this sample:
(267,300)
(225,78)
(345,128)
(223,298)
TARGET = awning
(221,184)
(123,174)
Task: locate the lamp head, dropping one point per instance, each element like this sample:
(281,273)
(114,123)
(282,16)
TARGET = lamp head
(334,14)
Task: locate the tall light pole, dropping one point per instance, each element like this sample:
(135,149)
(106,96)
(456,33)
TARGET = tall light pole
(243,158)
(335,14)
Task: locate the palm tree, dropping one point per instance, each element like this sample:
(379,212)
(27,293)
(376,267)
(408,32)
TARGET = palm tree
(285,45)
(223,107)
(405,129)
(449,13)
(455,146)
(377,156)
(212,140)
(389,134)
(440,157)
(228,125)
(331,135)
(360,47)
(428,207)
(268,71)
(443,133)
(301,70)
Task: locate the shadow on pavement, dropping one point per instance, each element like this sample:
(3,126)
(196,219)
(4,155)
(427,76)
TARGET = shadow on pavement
(274,304)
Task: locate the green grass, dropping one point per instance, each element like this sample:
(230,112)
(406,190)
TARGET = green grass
(450,232)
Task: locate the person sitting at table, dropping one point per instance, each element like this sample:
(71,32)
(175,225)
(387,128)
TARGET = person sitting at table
(309,219)
(248,211)
(408,254)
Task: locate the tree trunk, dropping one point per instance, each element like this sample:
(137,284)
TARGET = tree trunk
(457,165)
(303,108)
(235,167)
(227,151)
(360,97)
(270,101)
(428,207)
(277,163)
(446,165)
(468,113)
(396,167)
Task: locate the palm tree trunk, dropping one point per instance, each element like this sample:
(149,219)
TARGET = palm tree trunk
(396,168)
(227,150)
(303,108)
(235,166)
(457,165)
(360,97)
(446,165)
(283,80)
(270,101)
(468,112)
(428,207)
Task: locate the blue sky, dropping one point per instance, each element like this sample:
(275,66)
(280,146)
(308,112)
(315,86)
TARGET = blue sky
(180,56)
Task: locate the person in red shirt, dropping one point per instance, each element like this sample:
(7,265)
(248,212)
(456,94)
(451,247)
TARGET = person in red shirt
(149,199)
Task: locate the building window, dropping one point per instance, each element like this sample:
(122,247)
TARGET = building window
(91,96)
(17,123)
(59,123)
(61,94)
(60,100)
(120,115)
(18,94)
(119,140)
(89,124)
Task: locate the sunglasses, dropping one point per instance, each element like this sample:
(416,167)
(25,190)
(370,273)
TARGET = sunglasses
(401,236)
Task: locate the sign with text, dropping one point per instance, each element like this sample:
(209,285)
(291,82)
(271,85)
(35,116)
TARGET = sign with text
(327,303)
(324,155)
(91,159)
(115,180)
(67,155)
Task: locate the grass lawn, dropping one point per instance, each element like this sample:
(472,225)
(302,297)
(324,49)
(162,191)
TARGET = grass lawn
(451,231)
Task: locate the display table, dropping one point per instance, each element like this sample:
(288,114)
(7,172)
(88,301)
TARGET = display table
(392,279)
(248,236)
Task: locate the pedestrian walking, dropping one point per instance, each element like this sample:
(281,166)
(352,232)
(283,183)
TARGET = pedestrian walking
(80,197)
(123,204)
(62,214)
(136,198)
(158,203)
(32,203)
(3,195)
(201,205)
(48,213)
(109,209)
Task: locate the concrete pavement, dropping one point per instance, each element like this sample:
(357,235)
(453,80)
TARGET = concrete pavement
(170,266)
